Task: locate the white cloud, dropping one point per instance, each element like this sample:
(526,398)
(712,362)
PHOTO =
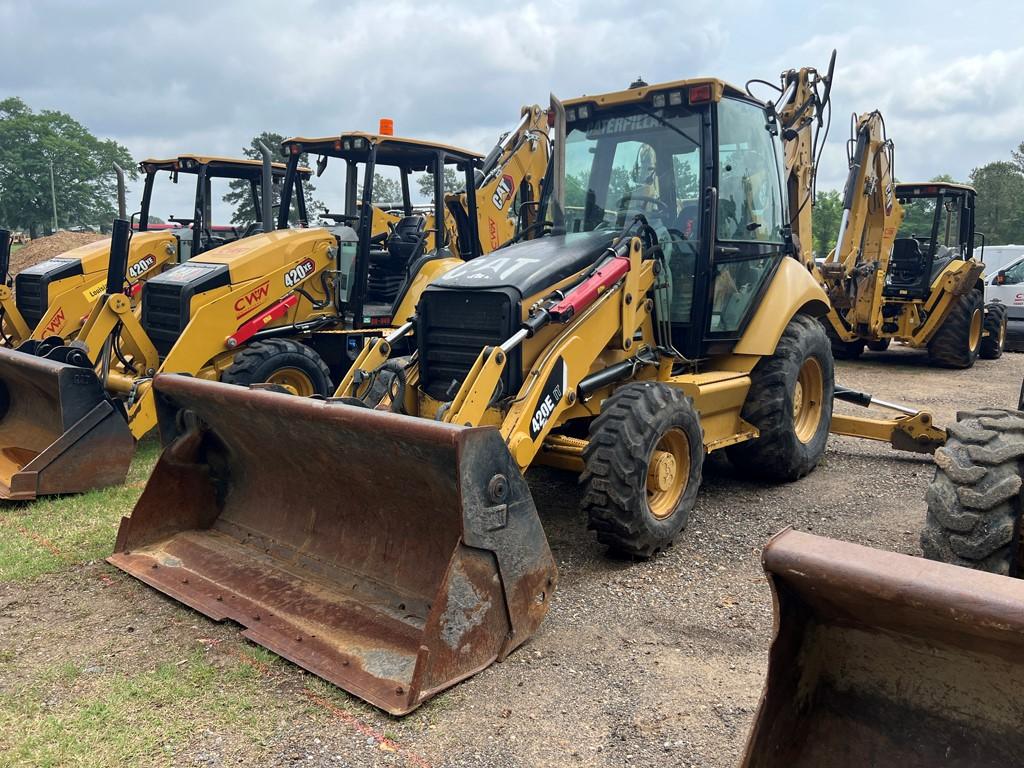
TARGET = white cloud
(204,76)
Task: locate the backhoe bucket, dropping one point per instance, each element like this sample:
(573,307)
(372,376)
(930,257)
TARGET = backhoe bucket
(882,659)
(389,555)
(59,433)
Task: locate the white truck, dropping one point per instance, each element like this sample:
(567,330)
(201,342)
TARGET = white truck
(1004,282)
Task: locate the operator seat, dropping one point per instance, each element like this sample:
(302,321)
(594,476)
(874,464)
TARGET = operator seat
(908,270)
(388,265)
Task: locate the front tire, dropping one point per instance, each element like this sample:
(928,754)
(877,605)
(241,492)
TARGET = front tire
(790,402)
(974,509)
(643,468)
(957,342)
(994,339)
(289,364)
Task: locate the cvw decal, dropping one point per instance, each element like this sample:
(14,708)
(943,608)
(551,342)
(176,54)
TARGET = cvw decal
(55,324)
(492,228)
(299,272)
(252,300)
(142,266)
(503,192)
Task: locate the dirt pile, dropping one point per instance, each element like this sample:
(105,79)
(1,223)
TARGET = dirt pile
(43,248)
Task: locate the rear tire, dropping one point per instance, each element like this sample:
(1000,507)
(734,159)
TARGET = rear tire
(994,339)
(842,350)
(637,500)
(289,364)
(974,509)
(792,439)
(879,346)
(958,340)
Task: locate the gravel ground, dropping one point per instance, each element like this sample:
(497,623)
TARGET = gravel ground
(657,663)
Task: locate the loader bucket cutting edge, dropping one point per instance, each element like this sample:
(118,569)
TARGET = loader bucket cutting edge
(59,433)
(883,659)
(389,555)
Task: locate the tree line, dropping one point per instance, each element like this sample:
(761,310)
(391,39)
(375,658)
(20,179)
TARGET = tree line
(34,145)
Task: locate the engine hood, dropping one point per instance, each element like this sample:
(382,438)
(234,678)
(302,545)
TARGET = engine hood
(529,267)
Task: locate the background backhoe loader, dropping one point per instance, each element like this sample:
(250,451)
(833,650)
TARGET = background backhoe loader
(282,308)
(904,268)
(50,301)
(666,315)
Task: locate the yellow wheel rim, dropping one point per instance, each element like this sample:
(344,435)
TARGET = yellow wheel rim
(295,381)
(976,324)
(667,473)
(808,397)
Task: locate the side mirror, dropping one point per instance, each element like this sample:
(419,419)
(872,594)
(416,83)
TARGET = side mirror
(321,165)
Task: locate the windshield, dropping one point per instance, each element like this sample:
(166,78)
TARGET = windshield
(625,163)
(634,161)
(919,217)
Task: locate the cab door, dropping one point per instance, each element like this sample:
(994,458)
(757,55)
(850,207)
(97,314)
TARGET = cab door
(748,220)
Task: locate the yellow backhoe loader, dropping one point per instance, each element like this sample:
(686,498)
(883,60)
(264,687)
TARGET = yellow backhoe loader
(666,315)
(288,308)
(49,302)
(903,268)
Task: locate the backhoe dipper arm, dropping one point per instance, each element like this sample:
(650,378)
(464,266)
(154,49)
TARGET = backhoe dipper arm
(803,108)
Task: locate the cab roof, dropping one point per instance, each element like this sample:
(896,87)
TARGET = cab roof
(226,167)
(396,149)
(716,90)
(930,187)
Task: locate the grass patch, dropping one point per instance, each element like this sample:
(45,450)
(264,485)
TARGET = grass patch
(16,247)
(67,717)
(51,533)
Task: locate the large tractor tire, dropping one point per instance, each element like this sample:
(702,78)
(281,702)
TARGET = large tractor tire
(842,350)
(790,402)
(994,338)
(289,364)
(643,468)
(958,341)
(974,508)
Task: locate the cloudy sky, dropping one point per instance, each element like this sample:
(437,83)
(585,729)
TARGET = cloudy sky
(205,76)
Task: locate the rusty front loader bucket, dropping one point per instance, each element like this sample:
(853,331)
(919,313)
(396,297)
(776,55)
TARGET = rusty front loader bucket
(389,555)
(882,659)
(59,433)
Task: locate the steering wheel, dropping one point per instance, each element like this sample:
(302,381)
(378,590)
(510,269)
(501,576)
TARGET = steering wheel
(663,208)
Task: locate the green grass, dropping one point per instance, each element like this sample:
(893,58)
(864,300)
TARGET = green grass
(67,716)
(51,533)
(16,247)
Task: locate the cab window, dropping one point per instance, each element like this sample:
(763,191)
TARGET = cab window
(645,162)
(750,214)
(749,192)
